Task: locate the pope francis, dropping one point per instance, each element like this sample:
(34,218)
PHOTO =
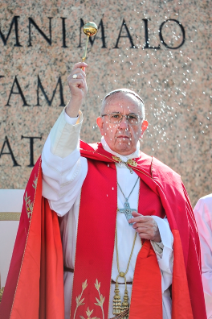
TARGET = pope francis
(110,232)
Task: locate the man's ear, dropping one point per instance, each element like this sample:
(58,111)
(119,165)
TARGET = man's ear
(99,122)
(144,127)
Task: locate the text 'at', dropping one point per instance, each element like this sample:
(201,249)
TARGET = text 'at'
(6,149)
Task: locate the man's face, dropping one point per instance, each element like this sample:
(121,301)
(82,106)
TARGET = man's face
(122,138)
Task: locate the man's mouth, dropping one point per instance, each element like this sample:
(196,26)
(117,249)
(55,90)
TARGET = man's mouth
(123,136)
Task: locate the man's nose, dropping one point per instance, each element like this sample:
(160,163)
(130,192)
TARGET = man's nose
(124,123)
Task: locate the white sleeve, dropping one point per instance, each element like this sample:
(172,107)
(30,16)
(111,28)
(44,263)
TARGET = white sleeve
(164,252)
(64,170)
(203,215)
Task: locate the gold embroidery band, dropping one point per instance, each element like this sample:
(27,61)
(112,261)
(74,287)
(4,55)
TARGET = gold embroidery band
(10,216)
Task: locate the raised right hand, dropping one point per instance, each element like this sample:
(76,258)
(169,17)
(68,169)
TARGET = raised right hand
(78,88)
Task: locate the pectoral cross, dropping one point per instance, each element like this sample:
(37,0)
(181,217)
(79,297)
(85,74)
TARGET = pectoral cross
(127,210)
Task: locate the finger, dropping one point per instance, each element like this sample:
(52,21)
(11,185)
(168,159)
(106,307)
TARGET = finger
(135,214)
(78,72)
(149,233)
(144,236)
(75,76)
(79,65)
(141,226)
(137,219)
(142,219)
(147,217)
(77,83)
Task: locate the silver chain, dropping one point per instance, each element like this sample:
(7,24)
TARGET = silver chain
(126,198)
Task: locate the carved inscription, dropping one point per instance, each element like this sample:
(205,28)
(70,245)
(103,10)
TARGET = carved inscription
(14,25)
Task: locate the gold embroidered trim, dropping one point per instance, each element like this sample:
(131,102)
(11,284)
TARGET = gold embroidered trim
(80,300)
(132,162)
(34,184)
(1,293)
(116,158)
(101,299)
(29,205)
(89,313)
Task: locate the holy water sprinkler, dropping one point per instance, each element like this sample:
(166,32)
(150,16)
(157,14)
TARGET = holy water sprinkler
(89,29)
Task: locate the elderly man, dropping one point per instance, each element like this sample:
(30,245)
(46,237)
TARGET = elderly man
(203,215)
(120,212)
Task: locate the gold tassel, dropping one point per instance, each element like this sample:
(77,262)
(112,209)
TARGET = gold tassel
(121,310)
(125,303)
(116,300)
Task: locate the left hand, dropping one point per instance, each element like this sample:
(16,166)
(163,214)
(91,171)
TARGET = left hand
(145,226)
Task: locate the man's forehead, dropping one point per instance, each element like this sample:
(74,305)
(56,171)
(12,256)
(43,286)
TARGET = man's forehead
(124,90)
(119,101)
(121,98)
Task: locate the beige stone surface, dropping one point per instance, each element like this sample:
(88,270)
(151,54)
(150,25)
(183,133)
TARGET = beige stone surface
(175,84)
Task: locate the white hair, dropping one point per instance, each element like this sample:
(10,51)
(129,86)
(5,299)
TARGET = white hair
(123,90)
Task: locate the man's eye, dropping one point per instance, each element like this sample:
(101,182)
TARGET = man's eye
(116,116)
(132,117)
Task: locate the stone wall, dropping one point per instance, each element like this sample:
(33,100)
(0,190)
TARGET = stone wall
(161,49)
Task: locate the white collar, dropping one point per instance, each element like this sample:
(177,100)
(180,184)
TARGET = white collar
(122,157)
